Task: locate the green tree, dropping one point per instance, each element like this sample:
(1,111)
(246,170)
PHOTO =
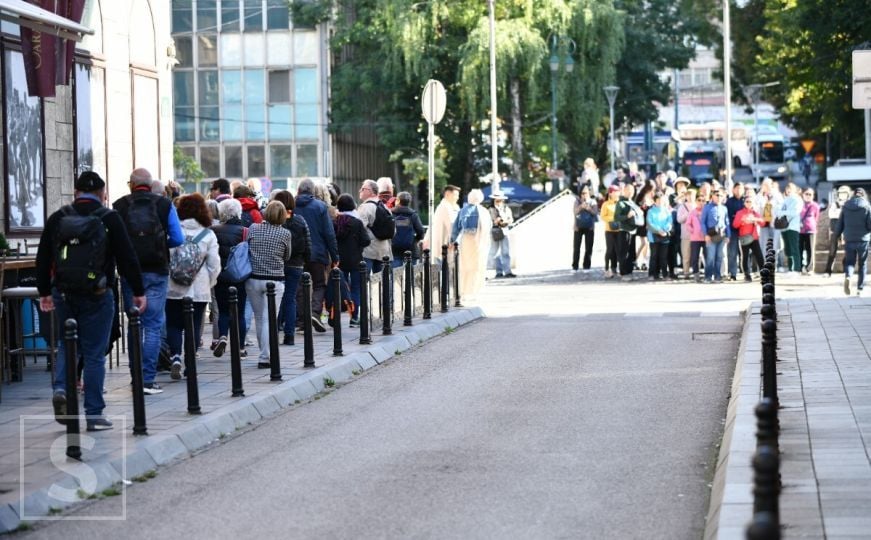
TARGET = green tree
(186,167)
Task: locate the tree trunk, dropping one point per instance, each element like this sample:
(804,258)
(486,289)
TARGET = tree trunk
(516,130)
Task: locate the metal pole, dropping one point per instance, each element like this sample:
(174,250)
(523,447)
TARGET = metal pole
(494,149)
(308,340)
(74,450)
(611,94)
(727,89)
(676,99)
(336,284)
(407,290)
(190,355)
(756,137)
(553,116)
(445,287)
(431,168)
(365,336)
(457,275)
(427,285)
(274,359)
(386,297)
(235,357)
(134,348)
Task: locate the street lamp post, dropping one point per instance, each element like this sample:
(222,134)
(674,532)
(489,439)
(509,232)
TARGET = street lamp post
(611,94)
(556,58)
(494,150)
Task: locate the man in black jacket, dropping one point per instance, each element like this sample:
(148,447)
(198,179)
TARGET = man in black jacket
(153,227)
(75,270)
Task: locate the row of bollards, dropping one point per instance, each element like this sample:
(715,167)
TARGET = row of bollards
(766,460)
(235,338)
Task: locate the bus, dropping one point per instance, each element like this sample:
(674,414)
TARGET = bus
(701,163)
(771,161)
(741,154)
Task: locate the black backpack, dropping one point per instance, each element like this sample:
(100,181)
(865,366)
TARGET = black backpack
(384,226)
(81,250)
(145,230)
(403,240)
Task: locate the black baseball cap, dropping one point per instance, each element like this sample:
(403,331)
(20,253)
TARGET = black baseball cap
(89,181)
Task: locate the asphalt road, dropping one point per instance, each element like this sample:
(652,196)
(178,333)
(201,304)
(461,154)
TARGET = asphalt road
(516,427)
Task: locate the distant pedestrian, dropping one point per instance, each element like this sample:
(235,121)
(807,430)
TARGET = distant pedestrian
(855,224)
(250,207)
(590,177)
(586,212)
(810,215)
(734,204)
(371,212)
(352,238)
(300,254)
(230,233)
(746,224)
(791,210)
(324,252)
(442,222)
(385,191)
(834,214)
(409,230)
(472,232)
(612,230)
(696,234)
(713,221)
(500,254)
(627,215)
(659,228)
(685,204)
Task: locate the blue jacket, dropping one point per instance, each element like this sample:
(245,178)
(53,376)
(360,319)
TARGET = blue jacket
(733,206)
(855,220)
(323,235)
(659,220)
(791,208)
(714,216)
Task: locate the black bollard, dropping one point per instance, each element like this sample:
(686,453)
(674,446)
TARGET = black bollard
(769,361)
(386,297)
(427,285)
(190,355)
(71,357)
(365,336)
(336,308)
(308,341)
(134,348)
(766,424)
(445,284)
(764,276)
(763,527)
(274,359)
(457,275)
(768,300)
(409,289)
(235,357)
(766,483)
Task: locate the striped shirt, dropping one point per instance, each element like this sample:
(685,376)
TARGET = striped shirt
(269,247)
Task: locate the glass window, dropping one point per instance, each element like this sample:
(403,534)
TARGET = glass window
(307,160)
(254,88)
(184,52)
(253,49)
(307,125)
(229,15)
(210,160)
(253,15)
(90,120)
(305,47)
(280,160)
(256,161)
(183,87)
(182,17)
(232,86)
(207,45)
(209,128)
(255,122)
(231,50)
(280,117)
(278,49)
(207,16)
(185,126)
(208,87)
(277,15)
(232,121)
(279,86)
(305,85)
(233,161)
(146,135)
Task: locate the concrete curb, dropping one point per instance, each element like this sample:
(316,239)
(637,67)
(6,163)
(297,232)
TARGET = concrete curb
(182,441)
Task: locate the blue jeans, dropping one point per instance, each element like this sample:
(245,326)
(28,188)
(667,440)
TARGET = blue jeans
(852,252)
(222,295)
(175,327)
(374,265)
(500,256)
(94,316)
(354,282)
(714,260)
(152,320)
(292,277)
(733,249)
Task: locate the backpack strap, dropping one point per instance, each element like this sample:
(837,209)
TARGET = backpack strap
(244,234)
(200,236)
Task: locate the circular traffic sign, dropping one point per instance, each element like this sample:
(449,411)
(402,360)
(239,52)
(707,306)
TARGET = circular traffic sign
(433,101)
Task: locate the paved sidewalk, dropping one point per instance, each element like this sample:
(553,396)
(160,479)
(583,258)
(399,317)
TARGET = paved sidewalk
(32,444)
(824,387)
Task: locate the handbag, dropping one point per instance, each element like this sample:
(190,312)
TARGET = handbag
(781,223)
(497,234)
(746,239)
(715,235)
(238,267)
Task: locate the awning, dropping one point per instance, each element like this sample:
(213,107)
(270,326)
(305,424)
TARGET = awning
(41,20)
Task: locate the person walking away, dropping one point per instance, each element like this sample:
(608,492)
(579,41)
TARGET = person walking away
(747,222)
(834,213)
(230,233)
(153,227)
(300,254)
(500,254)
(790,210)
(612,230)
(807,237)
(75,271)
(352,238)
(659,227)
(442,222)
(409,230)
(713,222)
(734,204)
(193,271)
(627,215)
(586,215)
(379,223)
(472,232)
(385,192)
(270,248)
(324,251)
(855,225)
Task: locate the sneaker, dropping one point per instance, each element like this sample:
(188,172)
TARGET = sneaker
(498,276)
(827,274)
(263,365)
(847,286)
(858,292)
(59,402)
(748,279)
(626,278)
(151,389)
(318,325)
(98,424)
(288,339)
(219,349)
(175,370)
(510,275)
(355,323)
(608,274)
(214,344)
(243,354)
(733,278)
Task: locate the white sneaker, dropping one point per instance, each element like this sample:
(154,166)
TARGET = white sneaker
(859,292)
(175,369)
(608,274)
(847,286)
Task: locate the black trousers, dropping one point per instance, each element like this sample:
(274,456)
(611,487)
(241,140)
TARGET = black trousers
(585,235)
(673,254)
(658,259)
(756,250)
(625,252)
(611,251)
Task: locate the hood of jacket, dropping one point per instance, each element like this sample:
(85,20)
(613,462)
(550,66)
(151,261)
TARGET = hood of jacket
(190,226)
(344,225)
(248,204)
(855,204)
(304,200)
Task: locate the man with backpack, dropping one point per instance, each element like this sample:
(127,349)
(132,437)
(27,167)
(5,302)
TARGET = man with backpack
(153,227)
(324,249)
(409,230)
(75,272)
(379,222)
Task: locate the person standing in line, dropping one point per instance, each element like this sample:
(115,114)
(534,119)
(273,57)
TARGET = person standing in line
(230,233)
(685,206)
(625,214)
(352,238)
(590,177)
(659,227)
(746,223)
(300,254)
(612,230)
(385,191)
(409,230)
(472,233)
(791,209)
(153,226)
(713,222)
(734,204)
(442,222)
(250,208)
(378,248)
(75,270)
(500,254)
(834,213)
(220,190)
(807,237)
(586,215)
(855,225)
